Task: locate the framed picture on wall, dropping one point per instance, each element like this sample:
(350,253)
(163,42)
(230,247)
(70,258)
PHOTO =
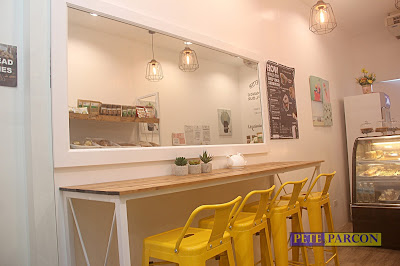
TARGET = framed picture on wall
(320,102)
(225,122)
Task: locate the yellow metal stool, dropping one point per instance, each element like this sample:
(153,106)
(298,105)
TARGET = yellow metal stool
(314,202)
(244,226)
(277,213)
(190,246)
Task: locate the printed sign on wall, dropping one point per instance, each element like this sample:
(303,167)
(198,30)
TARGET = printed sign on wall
(254,130)
(320,102)
(225,122)
(282,101)
(8,65)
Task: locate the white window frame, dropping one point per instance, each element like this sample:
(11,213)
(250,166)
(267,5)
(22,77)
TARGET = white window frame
(66,157)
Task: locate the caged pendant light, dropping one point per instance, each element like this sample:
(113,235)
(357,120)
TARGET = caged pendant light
(397,4)
(154,70)
(322,19)
(188,60)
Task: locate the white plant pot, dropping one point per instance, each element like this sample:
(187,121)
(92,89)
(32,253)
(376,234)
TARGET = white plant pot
(195,169)
(180,170)
(206,167)
(367,89)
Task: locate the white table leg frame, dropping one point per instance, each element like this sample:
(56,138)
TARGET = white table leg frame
(120,217)
(79,232)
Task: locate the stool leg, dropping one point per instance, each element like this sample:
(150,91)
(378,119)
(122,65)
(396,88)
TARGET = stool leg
(265,246)
(329,221)
(303,249)
(231,258)
(145,257)
(295,228)
(279,236)
(223,259)
(244,249)
(315,219)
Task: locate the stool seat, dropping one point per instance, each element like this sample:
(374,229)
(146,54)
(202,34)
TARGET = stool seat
(193,243)
(312,196)
(189,246)
(244,221)
(278,206)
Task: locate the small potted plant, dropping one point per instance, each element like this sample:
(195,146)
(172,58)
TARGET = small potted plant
(194,167)
(366,81)
(181,167)
(206,166)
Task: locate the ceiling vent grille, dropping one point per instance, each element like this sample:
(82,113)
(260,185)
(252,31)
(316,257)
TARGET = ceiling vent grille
(393,24)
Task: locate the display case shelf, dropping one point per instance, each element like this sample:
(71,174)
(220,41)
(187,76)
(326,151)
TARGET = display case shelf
(108,118)
(378,161)
(378,178)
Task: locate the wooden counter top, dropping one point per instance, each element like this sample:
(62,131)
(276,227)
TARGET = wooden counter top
(162,182)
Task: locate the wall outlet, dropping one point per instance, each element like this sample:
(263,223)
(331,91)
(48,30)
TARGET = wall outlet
(335,203)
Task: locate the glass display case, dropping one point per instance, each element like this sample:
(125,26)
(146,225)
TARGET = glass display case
(376,187)
(376,170)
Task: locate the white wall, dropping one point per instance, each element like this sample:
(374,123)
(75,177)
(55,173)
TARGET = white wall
(14,241)
(111,69)
(28,225)
(276,30)
(379,53)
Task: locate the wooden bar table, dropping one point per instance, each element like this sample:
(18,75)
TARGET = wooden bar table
(121,191)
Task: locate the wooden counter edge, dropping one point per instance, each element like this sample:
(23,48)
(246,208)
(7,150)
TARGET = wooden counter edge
(82,189)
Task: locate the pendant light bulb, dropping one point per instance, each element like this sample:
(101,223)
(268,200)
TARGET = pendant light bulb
(321,15)
(322,18)
(188,60)
(154,70)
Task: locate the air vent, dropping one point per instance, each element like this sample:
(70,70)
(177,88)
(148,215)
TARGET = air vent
(393,24)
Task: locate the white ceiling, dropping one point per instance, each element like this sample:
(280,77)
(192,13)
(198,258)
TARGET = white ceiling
(358,17)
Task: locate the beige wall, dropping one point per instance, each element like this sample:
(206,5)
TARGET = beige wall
(276,30)
(379,54)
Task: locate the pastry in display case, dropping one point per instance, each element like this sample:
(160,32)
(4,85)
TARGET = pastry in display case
(375,188)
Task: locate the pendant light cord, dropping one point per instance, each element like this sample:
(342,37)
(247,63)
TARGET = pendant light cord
(152,44)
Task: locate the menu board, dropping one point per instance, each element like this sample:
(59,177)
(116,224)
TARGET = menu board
(281,101)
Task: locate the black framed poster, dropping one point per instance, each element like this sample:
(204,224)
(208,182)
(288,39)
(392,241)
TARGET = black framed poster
(281,101)
(8,65)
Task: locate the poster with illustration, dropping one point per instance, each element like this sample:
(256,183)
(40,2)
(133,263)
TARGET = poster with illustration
(224,122)
(320,102)
(282,101)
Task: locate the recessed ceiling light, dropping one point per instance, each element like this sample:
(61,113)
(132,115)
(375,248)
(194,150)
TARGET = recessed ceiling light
(187,43)
(93,14)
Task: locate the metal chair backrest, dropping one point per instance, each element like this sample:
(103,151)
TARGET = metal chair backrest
(297,186)
(262,205)
(328,180)
(223,215)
